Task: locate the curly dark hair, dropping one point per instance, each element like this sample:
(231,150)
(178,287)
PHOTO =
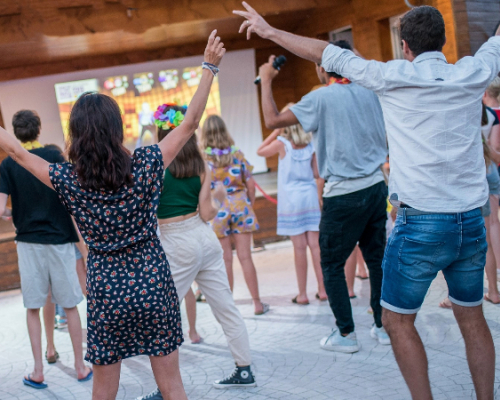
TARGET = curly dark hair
(422,28)
(26,124)
(189,161)
(96,143)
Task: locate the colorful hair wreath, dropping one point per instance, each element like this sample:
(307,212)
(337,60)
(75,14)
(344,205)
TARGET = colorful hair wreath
(170,119)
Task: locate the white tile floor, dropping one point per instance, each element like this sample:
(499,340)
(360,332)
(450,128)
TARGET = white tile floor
(287,359)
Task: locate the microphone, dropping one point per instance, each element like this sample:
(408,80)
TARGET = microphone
(277,64)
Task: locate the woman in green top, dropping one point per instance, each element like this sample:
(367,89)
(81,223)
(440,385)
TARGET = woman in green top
(191,246)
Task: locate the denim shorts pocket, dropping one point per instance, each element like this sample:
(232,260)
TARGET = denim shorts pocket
(417,259)
(479,258)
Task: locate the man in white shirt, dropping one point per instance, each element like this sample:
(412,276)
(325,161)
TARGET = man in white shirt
(432,113)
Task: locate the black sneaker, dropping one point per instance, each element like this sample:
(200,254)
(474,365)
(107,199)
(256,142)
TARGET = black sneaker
(154,395)
(241,377)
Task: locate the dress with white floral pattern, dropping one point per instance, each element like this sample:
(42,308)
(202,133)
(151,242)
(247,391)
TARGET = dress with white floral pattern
(132,304)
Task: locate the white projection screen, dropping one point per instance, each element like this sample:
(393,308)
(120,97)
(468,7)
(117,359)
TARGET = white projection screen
(238,97)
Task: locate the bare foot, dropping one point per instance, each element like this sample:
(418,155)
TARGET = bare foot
(260,307)
(194,337)
(300,299)
(50,352)
(82,373)
(352,295)
(446,303)
(35,377)
(492,298)
(322,296)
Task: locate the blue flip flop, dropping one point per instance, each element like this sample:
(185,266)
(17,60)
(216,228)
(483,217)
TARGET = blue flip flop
(87,378)
(35,385)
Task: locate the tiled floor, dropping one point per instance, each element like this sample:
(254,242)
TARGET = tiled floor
(287,359)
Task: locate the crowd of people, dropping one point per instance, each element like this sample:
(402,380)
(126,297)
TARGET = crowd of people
(151,224)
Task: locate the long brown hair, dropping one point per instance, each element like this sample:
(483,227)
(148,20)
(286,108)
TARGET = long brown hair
(188,162)
(214,134)
(96,143)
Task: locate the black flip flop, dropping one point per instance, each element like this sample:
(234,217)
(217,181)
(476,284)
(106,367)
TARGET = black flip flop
(294,301)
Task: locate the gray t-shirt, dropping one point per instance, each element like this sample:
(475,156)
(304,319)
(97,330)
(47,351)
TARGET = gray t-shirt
(348,130)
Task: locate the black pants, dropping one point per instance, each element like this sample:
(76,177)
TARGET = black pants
(346,220)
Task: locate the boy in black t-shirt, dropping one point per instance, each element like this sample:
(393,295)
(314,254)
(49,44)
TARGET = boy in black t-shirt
(45,236)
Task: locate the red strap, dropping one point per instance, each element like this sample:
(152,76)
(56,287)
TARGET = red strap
(274,201)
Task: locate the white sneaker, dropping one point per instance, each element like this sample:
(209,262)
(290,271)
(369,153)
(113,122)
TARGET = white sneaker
(337,342)
(380,334)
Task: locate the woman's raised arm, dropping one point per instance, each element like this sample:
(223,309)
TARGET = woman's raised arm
(174,141)
(34,164)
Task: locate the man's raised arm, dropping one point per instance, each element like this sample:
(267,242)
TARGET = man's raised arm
(310,49)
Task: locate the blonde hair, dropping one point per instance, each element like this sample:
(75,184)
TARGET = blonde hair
(214,134)
(295,133)
(493,89)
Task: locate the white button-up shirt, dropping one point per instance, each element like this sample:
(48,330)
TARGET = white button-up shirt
(432,113)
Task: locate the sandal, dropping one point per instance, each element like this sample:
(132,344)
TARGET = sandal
(52,359)
(87,378)
(265,309)
(300,303)
(34,384)
(361,277)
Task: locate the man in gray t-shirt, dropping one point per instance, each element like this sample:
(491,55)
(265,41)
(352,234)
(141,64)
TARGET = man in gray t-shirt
(347,125)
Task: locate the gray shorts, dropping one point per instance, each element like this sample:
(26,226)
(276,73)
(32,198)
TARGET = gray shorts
(45,267)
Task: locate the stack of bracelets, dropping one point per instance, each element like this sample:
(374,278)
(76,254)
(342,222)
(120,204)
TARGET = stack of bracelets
(211,67)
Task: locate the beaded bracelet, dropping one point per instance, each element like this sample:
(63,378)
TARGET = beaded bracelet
(211,67)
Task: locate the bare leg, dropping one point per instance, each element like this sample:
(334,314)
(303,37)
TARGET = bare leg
(409,352)
(300,254)
(243,250)
(35,334)
(190,302)
(360,264)
(228,259)
(479,349)
(313,243)
(350,272)
(106,380)
(168,377)
(495,228)
(49,316)
(491,266)
(75,333)
(81,270)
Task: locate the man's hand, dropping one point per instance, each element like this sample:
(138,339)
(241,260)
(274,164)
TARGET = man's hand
(254,22)
(267,72)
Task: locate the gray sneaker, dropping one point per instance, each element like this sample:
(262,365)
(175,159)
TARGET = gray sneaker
(154,395)
(380,334)
(337,342)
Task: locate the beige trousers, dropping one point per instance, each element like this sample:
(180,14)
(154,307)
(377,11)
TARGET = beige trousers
(194,253)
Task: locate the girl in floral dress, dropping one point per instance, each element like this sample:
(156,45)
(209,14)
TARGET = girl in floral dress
(236,218)
(132,304)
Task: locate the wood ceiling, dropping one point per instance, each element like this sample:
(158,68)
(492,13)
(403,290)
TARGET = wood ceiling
(35,32)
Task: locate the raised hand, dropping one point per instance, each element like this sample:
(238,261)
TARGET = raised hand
(253,22)
(215,49)
(267,72)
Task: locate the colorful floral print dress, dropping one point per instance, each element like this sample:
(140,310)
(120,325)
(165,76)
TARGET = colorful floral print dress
(132,304)
(236,214)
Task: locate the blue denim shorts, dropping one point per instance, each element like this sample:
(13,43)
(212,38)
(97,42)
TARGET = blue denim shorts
(422,245)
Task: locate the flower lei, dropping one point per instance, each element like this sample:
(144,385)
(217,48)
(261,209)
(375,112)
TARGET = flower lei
(170,119)
(220,152)
(340,81)
(35,144)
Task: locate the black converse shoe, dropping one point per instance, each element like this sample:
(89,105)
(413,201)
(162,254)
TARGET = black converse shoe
(241,377)
(154,395)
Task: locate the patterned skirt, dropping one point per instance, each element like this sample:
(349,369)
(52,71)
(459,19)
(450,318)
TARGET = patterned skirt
(132,304)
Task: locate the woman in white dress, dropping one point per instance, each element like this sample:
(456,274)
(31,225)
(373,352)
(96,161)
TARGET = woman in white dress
(298,202)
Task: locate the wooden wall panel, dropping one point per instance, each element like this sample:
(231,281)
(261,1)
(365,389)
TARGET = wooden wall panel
(483,17)
(9,273)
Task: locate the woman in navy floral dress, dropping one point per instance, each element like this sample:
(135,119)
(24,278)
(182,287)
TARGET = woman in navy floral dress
(132,304)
